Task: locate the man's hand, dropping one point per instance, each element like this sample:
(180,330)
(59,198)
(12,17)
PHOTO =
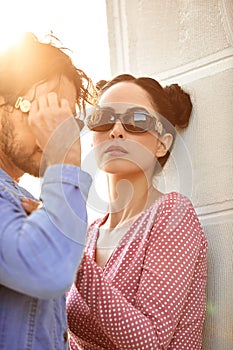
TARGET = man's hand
(56,130)
(30,205)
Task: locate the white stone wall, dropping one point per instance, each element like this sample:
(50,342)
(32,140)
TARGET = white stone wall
(191,43)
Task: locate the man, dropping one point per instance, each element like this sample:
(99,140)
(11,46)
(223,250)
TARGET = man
(39,253)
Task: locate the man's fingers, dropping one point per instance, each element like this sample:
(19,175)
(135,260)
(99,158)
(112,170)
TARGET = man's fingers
(30,205)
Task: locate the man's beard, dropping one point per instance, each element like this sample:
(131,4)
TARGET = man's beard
(15,152)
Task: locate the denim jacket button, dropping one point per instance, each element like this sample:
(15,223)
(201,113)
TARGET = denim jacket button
(65,336)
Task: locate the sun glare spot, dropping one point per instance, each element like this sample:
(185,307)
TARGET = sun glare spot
(80,25)
(9,39)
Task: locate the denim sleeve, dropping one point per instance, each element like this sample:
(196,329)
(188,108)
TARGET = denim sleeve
(39,253)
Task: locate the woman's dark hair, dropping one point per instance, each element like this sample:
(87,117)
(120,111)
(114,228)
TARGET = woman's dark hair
(30,61)
(171,102)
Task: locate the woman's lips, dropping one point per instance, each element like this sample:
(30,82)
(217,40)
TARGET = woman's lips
(115,151)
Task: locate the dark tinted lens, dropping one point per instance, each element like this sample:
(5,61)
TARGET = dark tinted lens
(137,121)
(101,120)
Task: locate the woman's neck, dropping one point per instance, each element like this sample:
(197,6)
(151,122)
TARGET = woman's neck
(129,198)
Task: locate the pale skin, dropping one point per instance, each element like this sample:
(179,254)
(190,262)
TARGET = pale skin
(129,173)
(38,135)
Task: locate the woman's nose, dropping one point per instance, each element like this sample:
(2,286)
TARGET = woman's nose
(117,131)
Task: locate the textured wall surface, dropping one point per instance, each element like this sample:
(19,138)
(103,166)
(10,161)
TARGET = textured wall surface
(150,36)
(191,43)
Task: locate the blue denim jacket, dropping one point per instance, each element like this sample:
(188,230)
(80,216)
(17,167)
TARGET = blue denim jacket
(39,255)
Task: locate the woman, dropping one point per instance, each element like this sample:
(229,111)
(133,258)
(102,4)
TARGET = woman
(141,282)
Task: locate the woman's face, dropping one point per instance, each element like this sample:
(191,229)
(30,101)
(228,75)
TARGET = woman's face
(119,151)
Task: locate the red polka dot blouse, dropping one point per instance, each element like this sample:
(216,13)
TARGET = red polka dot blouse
(151,292)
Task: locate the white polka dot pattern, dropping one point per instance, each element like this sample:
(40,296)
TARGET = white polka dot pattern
(151,293)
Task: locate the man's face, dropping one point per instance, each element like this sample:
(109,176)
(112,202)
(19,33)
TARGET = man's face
(18,144)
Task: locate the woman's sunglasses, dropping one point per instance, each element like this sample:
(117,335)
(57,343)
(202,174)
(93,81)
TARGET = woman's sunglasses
(134,120)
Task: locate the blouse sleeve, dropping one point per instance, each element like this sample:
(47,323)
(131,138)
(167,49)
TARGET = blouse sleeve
(168,270)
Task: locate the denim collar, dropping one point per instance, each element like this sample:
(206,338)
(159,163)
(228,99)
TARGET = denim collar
(5,176)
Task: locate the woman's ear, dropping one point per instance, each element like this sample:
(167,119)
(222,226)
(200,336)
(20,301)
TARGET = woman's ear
(164,145)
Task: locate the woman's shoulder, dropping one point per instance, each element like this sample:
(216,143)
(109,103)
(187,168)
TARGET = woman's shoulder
(173,206)
(173,199)
(175,210)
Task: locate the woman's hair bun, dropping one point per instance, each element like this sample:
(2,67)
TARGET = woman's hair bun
(181,104)
(100,84)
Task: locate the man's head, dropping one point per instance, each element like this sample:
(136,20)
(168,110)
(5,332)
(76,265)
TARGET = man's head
(30,61)
(29,69)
